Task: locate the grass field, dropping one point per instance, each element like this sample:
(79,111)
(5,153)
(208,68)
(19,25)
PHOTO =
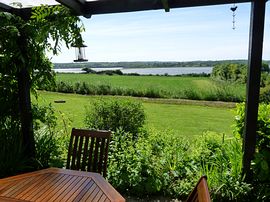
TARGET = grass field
(165,83)
(183,119)
(200,88)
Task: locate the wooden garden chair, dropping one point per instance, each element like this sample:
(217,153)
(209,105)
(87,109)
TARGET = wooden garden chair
(200,193)
(88,150)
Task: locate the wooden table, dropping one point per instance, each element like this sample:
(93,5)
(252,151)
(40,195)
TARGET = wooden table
(54,184)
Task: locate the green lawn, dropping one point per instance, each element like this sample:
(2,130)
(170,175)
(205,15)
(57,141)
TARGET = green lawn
(183,119)
(171,86)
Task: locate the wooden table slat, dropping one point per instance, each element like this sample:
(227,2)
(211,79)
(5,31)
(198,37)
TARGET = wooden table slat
(45,187)
(107,200)
(90,191)
(94,193)
(55,189)
(103,198)
(16,189)
(68,188)
(10,188)
(83,191)
(54,184)
(5,199)
(20,193)
(73,189)
(76,191)
(97,197)
(40,187)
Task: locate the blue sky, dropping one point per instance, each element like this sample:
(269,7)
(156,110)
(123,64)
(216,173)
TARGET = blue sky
(185,34)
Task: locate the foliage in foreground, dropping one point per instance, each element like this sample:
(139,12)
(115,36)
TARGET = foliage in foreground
(158,164)
(261,163)
(24,67)
(51,144)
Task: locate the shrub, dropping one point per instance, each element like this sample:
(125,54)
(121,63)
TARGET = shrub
(230,72)
(81,88)
(50,148)
(152,164)
(64,87)
(222,163)
(50,143)
(261,163)
(265,94)
(161,163)
(12,151)
(113,114)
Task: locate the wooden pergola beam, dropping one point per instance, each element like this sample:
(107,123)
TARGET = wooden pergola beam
(253,83)
(78,6)
(118,6)
(88,8)
(5,7)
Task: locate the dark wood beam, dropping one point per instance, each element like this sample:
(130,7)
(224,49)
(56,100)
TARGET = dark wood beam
(253,83)
(117,6)
(5,8)
(75,5)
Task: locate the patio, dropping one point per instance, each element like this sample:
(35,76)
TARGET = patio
(94,7)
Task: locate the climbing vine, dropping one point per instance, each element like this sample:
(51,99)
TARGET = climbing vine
(23,47)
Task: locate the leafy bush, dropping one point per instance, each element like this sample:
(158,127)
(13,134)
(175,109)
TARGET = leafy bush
(113,114)
(261,163)
(238,73)
(265,94)
(51,144)
(11,152)
(50,148)
(161,163)
(149,165)
(222,163)
(64,87)
(230,72)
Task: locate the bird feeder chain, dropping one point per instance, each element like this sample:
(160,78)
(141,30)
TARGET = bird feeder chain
(233,9)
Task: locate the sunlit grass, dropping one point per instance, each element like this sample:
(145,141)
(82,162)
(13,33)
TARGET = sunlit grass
(183,119)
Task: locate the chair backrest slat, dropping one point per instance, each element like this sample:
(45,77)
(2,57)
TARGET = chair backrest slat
(88,150)
(74,153)
(101,156)
(97,147)
(106,156)
(200,193)
(79,153)
(69,151)
(85,154)
(90,157)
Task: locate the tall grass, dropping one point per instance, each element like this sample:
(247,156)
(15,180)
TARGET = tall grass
(223,167)
(196,88)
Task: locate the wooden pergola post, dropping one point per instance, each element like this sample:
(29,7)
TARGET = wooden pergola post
(25,101)
(253,82)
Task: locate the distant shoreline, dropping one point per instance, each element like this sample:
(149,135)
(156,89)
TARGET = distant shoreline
(152,64)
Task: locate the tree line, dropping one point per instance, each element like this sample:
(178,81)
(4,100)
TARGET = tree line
(153,64)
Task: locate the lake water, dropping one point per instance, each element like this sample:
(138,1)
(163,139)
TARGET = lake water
(147,71)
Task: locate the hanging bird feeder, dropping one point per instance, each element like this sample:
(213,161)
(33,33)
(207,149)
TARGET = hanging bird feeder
(80,53)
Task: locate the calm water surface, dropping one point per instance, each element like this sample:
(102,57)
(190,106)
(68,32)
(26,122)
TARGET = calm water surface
(147,71)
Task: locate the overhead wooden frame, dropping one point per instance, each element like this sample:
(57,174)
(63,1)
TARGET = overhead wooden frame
(88,8)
